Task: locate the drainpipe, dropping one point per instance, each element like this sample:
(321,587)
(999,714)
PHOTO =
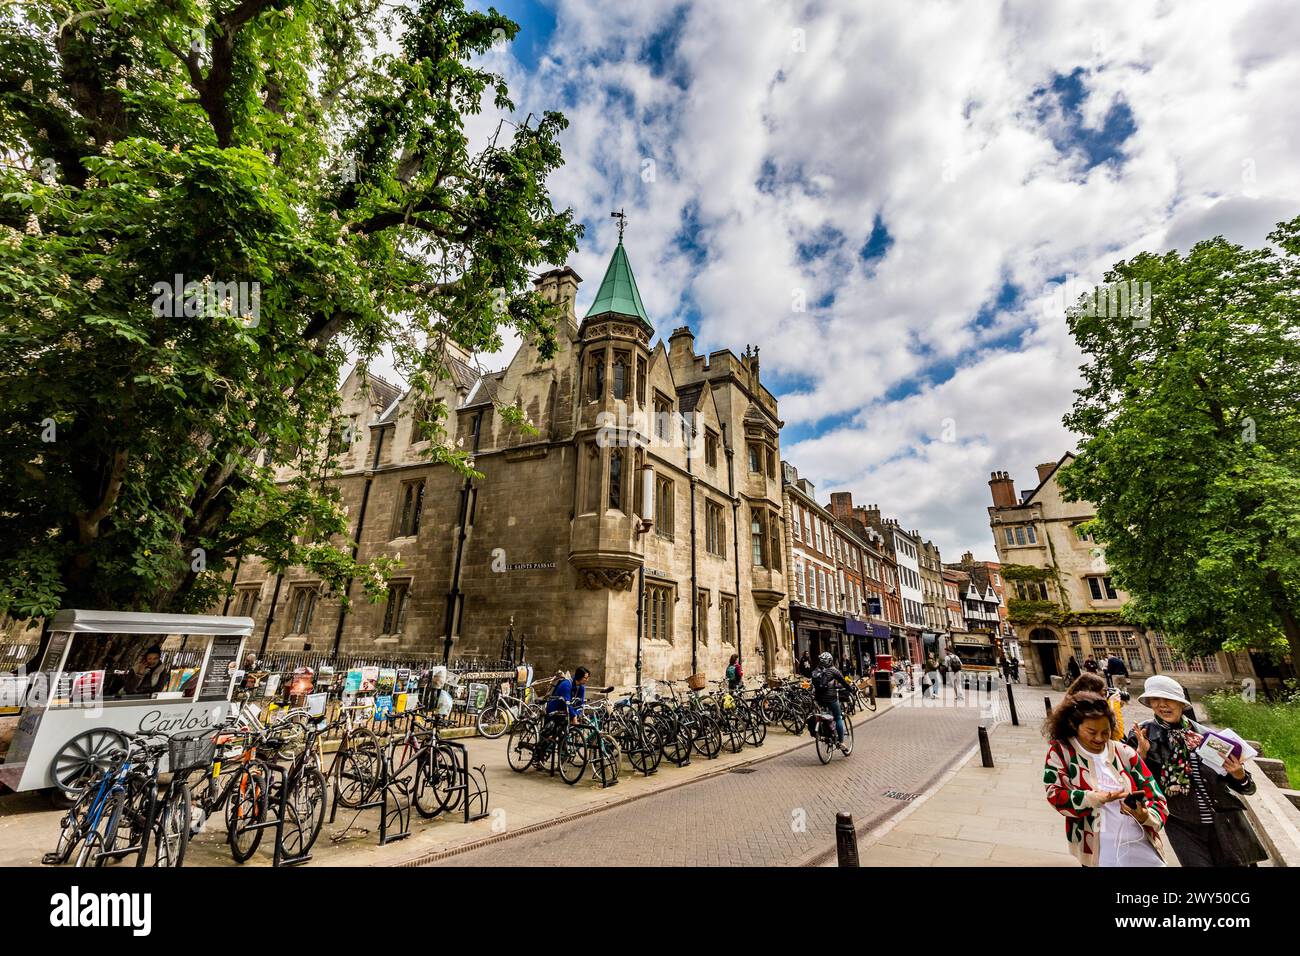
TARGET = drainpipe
(695,594)
(735,533)
(270,614)
(356,541)
(454,596)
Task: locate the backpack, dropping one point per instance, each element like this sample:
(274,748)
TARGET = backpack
(731,672)
(822,683)
(954,663)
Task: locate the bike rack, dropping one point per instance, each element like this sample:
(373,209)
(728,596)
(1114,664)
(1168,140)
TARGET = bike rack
(278,858)
(470,794)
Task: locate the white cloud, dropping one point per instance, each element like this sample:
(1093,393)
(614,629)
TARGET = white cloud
(924,114)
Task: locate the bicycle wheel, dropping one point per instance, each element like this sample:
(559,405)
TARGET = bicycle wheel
(871,696)
(607,759)
(104,836)
(248,805)
(433,786)
(173,828)
(493,722)
(357,773)
(304,812)
(848,737)
(643,748)
(72,827)
(708,737)
(573,755)
(522,744)
(792,719)
(732,733)
(825,743)
(756,731)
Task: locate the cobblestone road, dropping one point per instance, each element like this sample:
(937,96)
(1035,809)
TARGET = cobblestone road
(780,814)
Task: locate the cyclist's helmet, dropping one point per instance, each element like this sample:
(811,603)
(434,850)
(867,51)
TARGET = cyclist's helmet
(825,659)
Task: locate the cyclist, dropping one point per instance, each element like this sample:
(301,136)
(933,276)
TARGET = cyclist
(564,704)
(826,681)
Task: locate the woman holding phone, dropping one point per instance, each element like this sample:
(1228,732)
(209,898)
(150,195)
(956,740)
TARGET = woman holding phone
(1207,820)
(1113,810)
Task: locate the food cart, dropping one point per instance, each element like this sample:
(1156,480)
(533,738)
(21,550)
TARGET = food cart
(106,674)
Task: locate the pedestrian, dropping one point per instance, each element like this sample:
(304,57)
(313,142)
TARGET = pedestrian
(1117,673)
(1005,665)
(1112,807)
(735,674)
(954,674)
(1072,669)
(943,672)
(1015,669)
(1207,820)
(1090,665)
(930,676)
(805,665)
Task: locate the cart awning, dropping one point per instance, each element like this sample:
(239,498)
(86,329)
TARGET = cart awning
(136,622)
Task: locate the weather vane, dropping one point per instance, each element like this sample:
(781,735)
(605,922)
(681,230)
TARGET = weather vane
(621,216)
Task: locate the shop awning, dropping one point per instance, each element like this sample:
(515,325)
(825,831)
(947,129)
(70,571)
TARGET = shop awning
(852,626)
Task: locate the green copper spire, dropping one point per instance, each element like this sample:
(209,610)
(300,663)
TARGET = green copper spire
(618,292)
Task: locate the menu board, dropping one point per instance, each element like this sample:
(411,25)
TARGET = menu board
(221,668)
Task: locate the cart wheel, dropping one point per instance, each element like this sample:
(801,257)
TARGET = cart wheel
(81,757)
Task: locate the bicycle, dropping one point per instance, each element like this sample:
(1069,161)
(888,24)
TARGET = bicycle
(507,710)
(821,724)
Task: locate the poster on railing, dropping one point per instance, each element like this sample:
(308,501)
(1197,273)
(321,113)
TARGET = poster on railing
(403,675)
(352,682)
(476,697)
(383,707)
(369,678)
(387,681)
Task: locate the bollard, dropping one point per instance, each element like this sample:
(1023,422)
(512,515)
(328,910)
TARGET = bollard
(1011,700)
(846,839)
(986,751)
(1047,705)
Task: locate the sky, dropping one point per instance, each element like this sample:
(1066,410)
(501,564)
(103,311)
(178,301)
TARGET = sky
(893,201)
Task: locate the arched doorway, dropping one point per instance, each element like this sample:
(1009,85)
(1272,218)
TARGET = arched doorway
(1044,642)
(767,646)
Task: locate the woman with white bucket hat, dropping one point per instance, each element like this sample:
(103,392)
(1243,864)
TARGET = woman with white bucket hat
(1207,823)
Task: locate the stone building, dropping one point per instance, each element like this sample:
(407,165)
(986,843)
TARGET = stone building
(550,542)
(1061,598)
(933,608)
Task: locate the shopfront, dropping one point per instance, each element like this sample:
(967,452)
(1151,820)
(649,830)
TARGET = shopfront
(859,644)
(816,632)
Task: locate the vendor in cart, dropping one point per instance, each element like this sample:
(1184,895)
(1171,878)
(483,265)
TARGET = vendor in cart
(148,676)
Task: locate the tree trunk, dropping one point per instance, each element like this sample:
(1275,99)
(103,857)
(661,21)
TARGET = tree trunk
(1287,614)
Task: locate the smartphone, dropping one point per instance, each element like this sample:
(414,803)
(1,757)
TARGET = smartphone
(1133,800)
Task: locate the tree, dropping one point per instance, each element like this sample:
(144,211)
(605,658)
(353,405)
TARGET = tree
(205,206)
(1190,418)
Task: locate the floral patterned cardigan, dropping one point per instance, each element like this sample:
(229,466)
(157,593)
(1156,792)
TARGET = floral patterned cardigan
(1071,789)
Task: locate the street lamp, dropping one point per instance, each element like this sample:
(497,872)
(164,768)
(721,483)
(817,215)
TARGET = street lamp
(643,527)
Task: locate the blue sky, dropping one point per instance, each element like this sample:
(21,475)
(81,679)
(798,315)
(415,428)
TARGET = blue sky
(894,201)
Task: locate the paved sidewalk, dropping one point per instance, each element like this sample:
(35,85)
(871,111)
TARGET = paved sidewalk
(996,816)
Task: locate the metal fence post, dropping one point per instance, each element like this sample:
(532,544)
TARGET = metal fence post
(846,839)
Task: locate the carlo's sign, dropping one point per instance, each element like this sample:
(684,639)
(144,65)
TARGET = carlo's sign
(161,722)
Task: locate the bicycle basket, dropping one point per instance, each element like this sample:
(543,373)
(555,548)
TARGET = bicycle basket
(187,751)
(697,681)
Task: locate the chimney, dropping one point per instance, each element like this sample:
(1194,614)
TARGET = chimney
(682,339)
(560,285)
(1003,489)
(842,504)
(1044,470)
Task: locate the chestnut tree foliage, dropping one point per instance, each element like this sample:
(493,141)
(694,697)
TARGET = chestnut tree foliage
(298,174)
(1190,419)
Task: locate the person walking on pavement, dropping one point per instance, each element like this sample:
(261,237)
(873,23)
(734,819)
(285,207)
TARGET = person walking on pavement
(954,674)
(1015,669)
(1112,805)
(805,666)
(1090,665)
(943,674)
(930,676)
(1072,669)
(827,681)
(735,675)
(1117,673)
(1207,820)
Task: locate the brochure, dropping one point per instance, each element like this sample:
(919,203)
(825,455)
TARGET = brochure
(1218,745)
